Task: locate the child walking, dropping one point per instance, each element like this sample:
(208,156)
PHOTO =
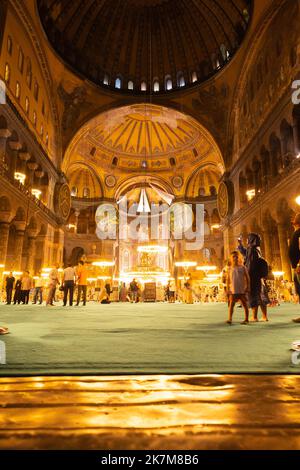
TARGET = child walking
(238,285)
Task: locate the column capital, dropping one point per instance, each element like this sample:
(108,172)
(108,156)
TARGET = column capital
(5,133)
(20,225)
(32,232)
(32,166)
(15,145)
(5,217)
(24,156)
(39,174)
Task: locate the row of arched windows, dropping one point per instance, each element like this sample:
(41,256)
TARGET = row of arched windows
(18,90)
(218,59)
(85,192)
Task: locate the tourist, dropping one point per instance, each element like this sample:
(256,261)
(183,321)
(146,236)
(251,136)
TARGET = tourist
(238,285)
(38,289)
(188,290)
(17,295)
(258,270)
(26,286)
(53,283)
(82,274)
(294,254)
(171,289)
(134,288)
(69,277)
(108,289)
(123,293)
(10,281)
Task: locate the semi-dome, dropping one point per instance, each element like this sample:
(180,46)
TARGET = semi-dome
(142,45)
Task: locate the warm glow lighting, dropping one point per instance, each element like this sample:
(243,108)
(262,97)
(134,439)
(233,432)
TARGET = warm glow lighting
(20,177)
(46,270)
(2,266)
(298,200)
(206,268)
(298,156)
(152,249)
(250,194)
(278,273)
(45,275)
(186,264)
(103,264)
(91,279)
(15,273)
(215,227)
(70,226)
(36,192)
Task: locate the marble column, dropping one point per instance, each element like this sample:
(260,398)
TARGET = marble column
(18,248)
(284,251)
(4,134)
(267,246)
(32,233)
(4,234)
(15,147)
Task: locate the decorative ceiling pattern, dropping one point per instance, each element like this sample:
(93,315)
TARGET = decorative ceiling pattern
(143,137)
(146,41)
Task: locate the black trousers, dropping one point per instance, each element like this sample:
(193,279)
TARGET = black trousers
(25,296)
(81,291)
(297,286)
(9,294)
(68,289)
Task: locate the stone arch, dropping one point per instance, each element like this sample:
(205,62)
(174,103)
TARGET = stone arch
(76,255)
(275,154)
(287,139)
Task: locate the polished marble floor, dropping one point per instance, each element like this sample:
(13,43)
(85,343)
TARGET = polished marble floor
(151,412)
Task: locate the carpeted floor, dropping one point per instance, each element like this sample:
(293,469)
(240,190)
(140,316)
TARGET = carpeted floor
(145,338)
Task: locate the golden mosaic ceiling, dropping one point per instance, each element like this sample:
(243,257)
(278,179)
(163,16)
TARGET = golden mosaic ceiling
(143,137)
(140,41)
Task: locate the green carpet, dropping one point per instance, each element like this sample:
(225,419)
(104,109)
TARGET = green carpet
(145,339)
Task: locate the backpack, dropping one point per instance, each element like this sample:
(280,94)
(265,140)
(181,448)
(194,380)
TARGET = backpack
(262,268)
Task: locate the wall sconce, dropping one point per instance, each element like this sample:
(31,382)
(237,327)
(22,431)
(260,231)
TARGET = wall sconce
(21,177)
(250,194)
(36,193)
(298,200)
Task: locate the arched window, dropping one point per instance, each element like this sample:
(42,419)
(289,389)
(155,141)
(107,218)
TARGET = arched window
(86,192)
(172,161)
(180,79)
(118,83)
(47,139)
(28,73)
(194,77)
(74,191)
(7,74)
(9,45)
(115,161)
(21,61)
(42,130)
(169,83)
(36,90)
(143,86)
(156,86)
(105,80)
(27,105)
(18,91)
(130,85)
(34,118)
(206,254)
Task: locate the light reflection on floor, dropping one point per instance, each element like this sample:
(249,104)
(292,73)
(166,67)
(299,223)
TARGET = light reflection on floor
(150,412)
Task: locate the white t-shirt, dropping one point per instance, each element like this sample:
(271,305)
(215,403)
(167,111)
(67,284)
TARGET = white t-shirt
(238,279)
(69,274)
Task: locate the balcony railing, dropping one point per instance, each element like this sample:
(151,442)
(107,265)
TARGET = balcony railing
(27,192)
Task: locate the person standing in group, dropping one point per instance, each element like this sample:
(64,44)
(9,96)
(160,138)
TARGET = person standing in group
(258,270)
(53,283)
(188,290)
(26,286)
(69,277)
(237,286)
(17,294)
(134,288)
(108,289)
(9,285)
(38,289)
(82,274)
(123,293)
(294,254)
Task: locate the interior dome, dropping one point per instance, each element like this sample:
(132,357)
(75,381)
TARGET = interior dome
(138,45)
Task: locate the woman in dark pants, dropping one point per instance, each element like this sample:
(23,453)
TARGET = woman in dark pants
(258,296)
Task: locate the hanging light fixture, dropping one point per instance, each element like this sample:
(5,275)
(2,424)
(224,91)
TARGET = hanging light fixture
(143,206)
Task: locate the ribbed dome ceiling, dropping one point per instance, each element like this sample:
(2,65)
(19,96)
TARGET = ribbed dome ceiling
(143,44)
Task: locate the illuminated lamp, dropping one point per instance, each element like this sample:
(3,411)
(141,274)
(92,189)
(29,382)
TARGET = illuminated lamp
(21,177)
(298,200)
(103,264)
(152,249)
(206,268)
(185,264)
(36,193)
(250,194)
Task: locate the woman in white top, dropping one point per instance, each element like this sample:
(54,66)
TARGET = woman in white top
(238,285)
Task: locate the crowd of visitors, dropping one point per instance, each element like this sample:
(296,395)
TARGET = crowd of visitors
(246,280)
